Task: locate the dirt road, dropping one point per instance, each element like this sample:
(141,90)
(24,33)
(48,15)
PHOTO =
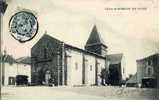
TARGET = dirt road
(78,93)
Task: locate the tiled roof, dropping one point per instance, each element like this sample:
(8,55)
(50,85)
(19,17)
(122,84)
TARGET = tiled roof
(73,47)
(95,38)
(84,51)
(148,57)
(8,58)
(115,58)
(24,60)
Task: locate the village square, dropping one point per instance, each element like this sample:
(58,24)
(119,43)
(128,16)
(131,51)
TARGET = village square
(58,67)
(56,56)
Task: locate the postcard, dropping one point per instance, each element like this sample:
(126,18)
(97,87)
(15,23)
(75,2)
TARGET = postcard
(79,49)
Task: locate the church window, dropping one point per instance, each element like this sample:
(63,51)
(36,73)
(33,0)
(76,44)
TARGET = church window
(11,80)
(149,62)
(149,71)
(38,69)
(45,53)
(76,66)
(90,67)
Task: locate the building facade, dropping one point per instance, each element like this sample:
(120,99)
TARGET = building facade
(12,69)
(147,71)
(63,64)
(116,69)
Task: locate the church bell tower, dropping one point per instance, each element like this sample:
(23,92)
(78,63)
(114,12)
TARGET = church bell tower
(95,43)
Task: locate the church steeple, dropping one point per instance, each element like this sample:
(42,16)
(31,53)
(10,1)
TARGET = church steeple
(95,43)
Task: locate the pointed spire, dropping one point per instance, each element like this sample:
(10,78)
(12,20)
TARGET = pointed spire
(95,37)
(95,43)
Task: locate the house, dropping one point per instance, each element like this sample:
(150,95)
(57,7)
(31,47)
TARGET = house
(24,67)
(147,71)
(54,61)
(116,69)
(12,70)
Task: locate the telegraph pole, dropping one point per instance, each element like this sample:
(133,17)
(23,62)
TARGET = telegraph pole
(63,64)
(1,45)
(58,68)
(3,7)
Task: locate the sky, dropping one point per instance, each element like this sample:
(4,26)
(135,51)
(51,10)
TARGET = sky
(131,32)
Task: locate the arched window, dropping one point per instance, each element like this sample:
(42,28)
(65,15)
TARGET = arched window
(149,71)
(91,68)
(76,66)
(45,53)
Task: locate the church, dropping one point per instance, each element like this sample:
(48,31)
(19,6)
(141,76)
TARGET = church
(53,61)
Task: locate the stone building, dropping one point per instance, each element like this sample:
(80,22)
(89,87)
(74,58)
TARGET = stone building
(12,69)
(147,71)
(116,69)
(63,64)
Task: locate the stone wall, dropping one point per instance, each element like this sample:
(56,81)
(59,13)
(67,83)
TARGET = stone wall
(46,56)
(12,70)
(148,68)
(90,67)
(66,64)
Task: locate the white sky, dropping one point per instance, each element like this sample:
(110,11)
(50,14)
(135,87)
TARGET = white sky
(134,33)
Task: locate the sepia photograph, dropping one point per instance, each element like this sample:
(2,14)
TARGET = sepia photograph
(79,49)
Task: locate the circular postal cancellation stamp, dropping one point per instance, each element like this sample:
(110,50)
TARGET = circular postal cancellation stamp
(23,26)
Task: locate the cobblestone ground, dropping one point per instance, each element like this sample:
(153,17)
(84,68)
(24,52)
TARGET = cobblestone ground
(78,93)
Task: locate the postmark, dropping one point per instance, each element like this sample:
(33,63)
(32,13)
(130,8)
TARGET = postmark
(23,26)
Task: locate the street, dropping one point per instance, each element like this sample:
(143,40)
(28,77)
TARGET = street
(78,93)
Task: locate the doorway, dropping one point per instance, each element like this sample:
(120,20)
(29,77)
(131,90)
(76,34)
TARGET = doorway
(47,77)
(11,80)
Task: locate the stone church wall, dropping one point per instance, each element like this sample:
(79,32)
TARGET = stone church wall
(75,69)
(46,56)
(90,67)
